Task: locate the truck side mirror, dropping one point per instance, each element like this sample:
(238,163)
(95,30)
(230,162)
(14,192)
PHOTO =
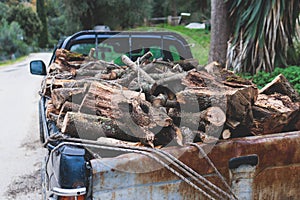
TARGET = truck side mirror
(38,67)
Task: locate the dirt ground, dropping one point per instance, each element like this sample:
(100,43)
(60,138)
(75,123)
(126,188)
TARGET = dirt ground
(21,152)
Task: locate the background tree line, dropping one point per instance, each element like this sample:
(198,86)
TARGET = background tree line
(26,24)
(249,35)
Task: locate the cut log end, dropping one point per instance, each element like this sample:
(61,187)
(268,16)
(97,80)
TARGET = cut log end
(216,116)
(226,134)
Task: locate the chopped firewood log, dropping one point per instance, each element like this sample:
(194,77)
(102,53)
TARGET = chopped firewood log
(103,99)
(212,68)
(281,85)
(87,126)
(144,114)
(65,83)
(69,106)
(116,142)
(50,109)
(159,101)
(59,67)
(61,95)
(188,64)
(163,103)
(204,90)
(188,135)
(212,115)
(231,100)
(88,72)
(114,74)
(272,113)
(69,56)
(135,68)
(231,79)
(158,76)
(213,120)
(226,134)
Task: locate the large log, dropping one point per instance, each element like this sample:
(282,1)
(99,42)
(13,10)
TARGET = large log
(210,121)
(104,99)
(92,127)
(61,95)
(238,109)
(274,113)
(281,85)
(205,90)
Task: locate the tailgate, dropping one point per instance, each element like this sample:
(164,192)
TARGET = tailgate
(136,176)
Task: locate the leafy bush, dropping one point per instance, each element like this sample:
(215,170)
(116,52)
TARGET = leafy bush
(11,40)
(292,73)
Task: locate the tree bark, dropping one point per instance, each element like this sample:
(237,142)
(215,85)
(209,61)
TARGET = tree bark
(219,32)
(92,127)
(274,113)
(281,85)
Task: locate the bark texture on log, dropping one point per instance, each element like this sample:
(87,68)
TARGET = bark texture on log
(273,113)
(104,99)
(281,85)
(87,126)
(163,103)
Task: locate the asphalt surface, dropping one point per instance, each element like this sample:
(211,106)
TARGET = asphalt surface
(20,150)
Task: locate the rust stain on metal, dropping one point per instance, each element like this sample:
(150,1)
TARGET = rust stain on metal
(278,183)
(278,170)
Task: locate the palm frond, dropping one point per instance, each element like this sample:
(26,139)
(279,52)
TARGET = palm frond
(263,30)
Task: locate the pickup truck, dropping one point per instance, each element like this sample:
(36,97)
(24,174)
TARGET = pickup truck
(255,167)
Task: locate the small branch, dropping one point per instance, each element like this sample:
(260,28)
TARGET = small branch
(135,68)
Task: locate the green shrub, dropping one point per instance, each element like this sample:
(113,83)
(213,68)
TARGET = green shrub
(292,73)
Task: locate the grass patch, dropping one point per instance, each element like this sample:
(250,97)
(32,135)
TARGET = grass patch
(198,39)
(10,62)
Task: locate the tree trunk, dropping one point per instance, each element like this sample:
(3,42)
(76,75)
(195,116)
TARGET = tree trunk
(219,32)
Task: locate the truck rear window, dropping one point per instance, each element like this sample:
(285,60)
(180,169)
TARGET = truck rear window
(112,49)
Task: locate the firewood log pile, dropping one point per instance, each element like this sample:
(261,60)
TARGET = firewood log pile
(155,102)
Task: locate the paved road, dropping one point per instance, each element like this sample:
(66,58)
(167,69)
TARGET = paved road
(20,150)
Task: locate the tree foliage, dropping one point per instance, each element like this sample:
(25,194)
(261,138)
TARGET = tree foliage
(43,36)
(11,40)
(200,10)
(56,20)
(27,19)
(263,31)
(3,10)
(114,13)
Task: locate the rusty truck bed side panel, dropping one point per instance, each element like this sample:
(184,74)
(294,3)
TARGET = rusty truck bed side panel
(134,176)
